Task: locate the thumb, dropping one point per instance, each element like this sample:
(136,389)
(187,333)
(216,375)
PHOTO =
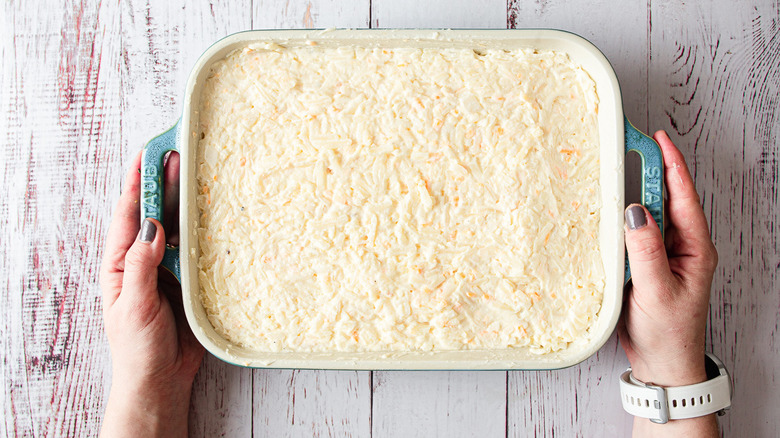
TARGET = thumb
(646,250)
(141,261)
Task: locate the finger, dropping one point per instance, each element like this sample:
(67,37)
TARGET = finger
(121,233)
(140,277)
(684,205)
(646,251)
(171,289)
(171,206)
(622,330)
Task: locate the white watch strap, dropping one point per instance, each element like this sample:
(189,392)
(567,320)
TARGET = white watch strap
(663,404)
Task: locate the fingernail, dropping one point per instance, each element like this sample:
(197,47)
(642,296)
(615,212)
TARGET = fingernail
(148,231)
(635,217)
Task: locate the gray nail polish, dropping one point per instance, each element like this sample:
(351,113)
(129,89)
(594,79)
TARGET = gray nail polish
(148,231)
(635,217)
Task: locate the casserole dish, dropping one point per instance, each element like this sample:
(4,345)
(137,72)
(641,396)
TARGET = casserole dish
(616,137)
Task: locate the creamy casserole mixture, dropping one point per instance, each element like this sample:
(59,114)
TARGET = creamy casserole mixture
(363,199)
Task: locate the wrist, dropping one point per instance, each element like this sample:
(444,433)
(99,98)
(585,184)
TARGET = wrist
(147,408)
(154,396)
(165,384)
(677,371)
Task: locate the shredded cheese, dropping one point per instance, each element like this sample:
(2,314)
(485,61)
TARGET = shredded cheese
(367,199)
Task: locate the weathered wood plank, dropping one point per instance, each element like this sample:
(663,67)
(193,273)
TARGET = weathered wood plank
(9,123)
(221,401)
(435,403)
(473,14)
(582,400)
(303,403)
(60,109)
(161,42)
(285,14)
(15,406)
(715,86)
(306,403)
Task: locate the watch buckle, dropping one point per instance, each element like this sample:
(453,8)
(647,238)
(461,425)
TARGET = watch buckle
(662,404)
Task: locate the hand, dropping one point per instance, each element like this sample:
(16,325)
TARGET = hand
(664,318)
(154,354)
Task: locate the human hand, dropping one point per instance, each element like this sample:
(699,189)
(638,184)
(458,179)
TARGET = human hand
(662,328)
(155,356)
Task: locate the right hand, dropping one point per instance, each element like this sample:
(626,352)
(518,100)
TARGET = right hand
(666,307)
(662,328)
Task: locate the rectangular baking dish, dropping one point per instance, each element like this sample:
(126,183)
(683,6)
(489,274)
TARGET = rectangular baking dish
(617,137)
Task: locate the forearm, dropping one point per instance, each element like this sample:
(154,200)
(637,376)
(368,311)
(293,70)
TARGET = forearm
(148,411)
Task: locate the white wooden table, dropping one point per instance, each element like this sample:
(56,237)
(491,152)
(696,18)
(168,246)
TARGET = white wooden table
(83,85)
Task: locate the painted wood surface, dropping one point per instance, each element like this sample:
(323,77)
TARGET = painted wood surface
(287,14)
(455,14)
(446,404)
(84,84)
(715,86)
(305,403)
(60,104)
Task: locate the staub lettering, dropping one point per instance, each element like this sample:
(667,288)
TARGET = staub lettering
(654,192)
(653,185)
(651,198)
(653,172)
(152,180)
(150,195)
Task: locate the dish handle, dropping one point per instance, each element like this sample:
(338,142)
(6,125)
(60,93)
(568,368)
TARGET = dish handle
(652,176)
(152,202)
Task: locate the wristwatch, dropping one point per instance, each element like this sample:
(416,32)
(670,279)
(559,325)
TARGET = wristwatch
(661,404)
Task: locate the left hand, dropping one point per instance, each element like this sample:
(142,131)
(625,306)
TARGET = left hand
(154,354)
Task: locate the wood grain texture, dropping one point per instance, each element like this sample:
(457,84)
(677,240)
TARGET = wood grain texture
(715,86)
(84,84)
(319,14)
(221,400)
(308,403)
(437,403)
(579,401)
(454,14)
(59,118)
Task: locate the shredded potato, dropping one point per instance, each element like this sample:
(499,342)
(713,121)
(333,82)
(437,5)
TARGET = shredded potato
(362,199)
